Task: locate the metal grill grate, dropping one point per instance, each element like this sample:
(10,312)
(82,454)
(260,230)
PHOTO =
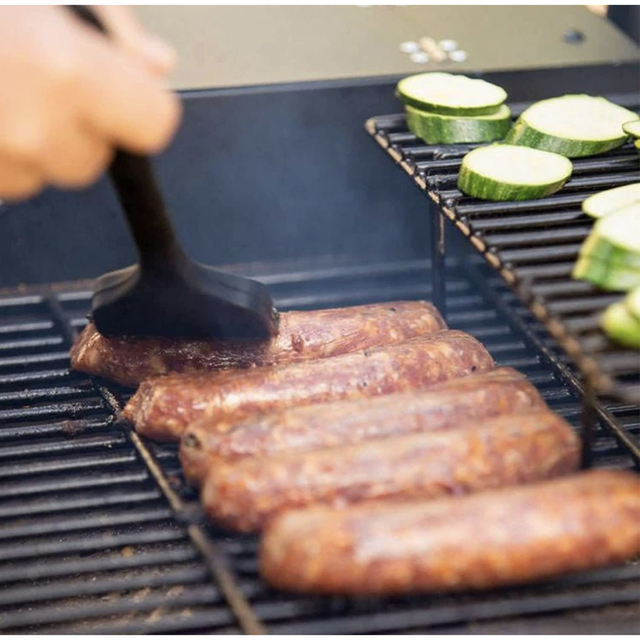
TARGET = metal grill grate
(99,533)
(534,244)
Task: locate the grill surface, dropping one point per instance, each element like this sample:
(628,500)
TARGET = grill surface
(99,533)
(534,244)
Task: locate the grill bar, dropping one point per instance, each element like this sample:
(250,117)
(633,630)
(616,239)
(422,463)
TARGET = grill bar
(569,377)
(214,560)
(97,505)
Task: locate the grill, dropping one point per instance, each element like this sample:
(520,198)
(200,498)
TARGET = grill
(100,534)
(532,244)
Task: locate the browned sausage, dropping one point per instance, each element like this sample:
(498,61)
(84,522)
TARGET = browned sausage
(490,539)
(163,407)
(445,405)
(496,452)
(302,336)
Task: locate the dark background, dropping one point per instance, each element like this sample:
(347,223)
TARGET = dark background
(264,174)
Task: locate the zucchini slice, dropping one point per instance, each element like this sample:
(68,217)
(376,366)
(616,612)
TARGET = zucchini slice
(507,172)
(610,256)
(613,200)
(621,326)
(632,302)
(616,238)
(449,94)
(606,275)
(632,128)
(572,125)
(434,128)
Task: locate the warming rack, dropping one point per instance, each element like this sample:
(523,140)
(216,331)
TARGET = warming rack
(532,244)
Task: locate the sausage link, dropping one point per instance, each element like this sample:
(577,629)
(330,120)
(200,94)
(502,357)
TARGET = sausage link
(443,406)
(163,407)
(495,452)
(302,336)
(487,540)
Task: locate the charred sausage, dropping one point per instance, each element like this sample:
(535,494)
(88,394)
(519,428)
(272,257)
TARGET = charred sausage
(490,539)
(443,406)
(302,336)
(163,407)
(496,452)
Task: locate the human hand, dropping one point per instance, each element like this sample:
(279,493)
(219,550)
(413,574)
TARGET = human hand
(69,96)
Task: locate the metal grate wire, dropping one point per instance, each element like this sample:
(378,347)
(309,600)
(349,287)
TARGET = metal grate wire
(100,534)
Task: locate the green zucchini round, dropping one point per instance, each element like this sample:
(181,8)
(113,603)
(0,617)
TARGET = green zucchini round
(610,276)
(449,94)
(632,128)
(621,326)
(434,128)
(572,125)
(632,302)
(616,238)
(612,200)
(507,172)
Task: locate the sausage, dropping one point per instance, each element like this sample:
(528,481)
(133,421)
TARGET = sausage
(302,336)
(499,451)
(163,407)
(442,406)
(481,541)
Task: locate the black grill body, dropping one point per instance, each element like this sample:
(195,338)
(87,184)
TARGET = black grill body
(247,184)
(99,532)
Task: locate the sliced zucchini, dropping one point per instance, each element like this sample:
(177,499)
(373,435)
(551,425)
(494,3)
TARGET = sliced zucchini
(507,172)
(606,275)
(613,200)
(449,94)
(632,302)
(434,128)
(616,239)
(572,125)
(632,128)
(621,326)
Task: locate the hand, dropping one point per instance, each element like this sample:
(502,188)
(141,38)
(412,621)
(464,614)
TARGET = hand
(69,95)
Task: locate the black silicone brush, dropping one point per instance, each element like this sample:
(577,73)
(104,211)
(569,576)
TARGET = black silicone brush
(166,293)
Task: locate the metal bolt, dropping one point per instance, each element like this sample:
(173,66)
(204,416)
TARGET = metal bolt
(409,47)
(420,57)
(448,45)
(573,36)
(458,56)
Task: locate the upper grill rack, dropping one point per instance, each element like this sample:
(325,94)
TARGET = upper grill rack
(533,244)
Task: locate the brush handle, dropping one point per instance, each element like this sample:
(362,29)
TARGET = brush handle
(139,193)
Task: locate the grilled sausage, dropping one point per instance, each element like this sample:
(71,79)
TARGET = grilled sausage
(496,452)
(486,540)
(302,336)
(443,406)
(163,407)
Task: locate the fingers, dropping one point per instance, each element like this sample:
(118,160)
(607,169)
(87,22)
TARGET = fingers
(123,102)
(134,40)
(74,158)
(71,96)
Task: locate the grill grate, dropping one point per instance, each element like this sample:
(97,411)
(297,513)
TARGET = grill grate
(100,534)
(534,244)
